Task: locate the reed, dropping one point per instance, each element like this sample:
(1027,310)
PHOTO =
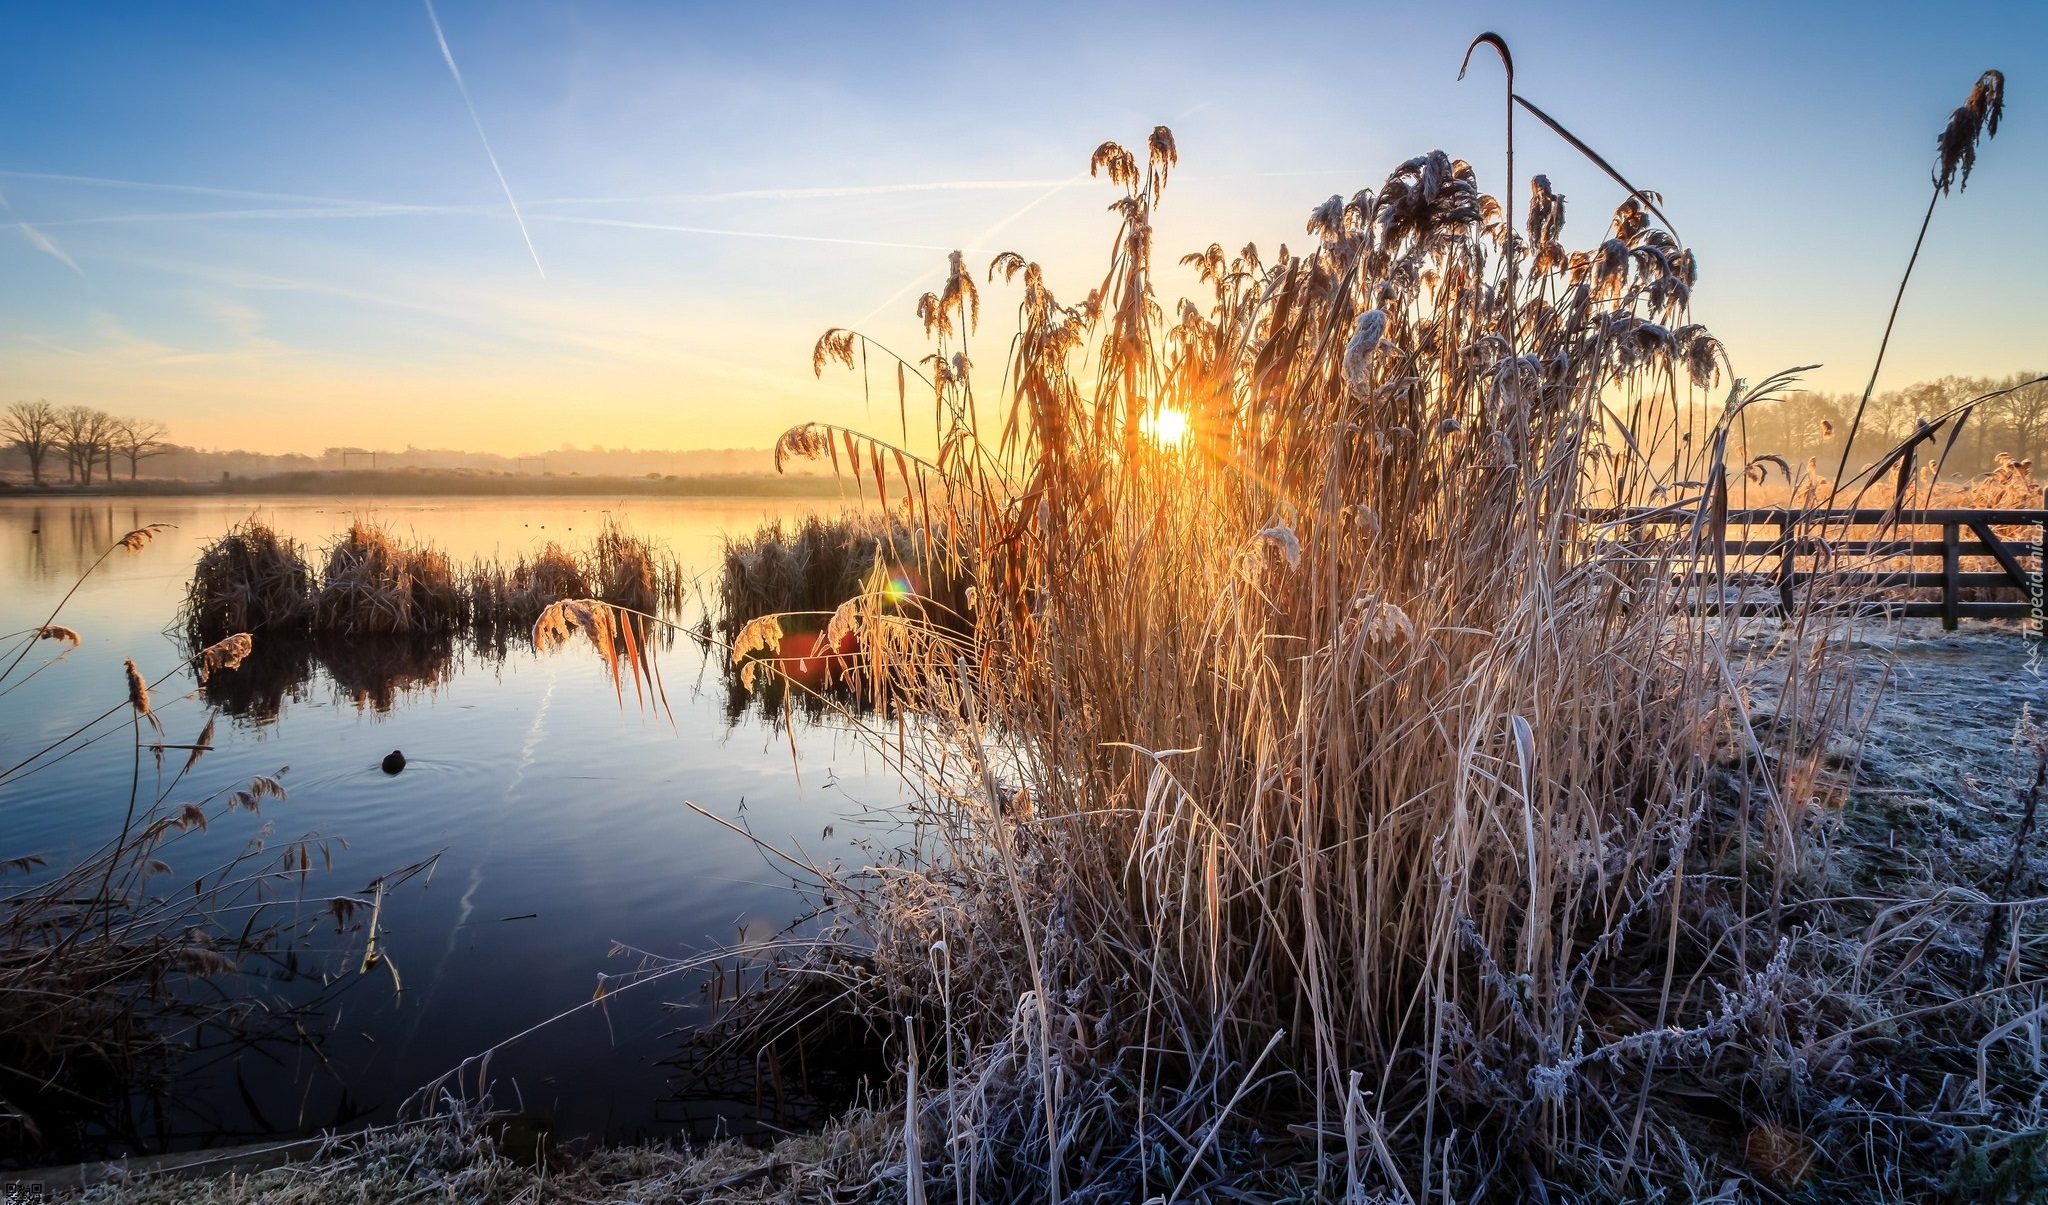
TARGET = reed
(1317,793)
(787,598)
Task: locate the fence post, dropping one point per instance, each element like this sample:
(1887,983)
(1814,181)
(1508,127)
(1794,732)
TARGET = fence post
(1788,563)
(1951,570)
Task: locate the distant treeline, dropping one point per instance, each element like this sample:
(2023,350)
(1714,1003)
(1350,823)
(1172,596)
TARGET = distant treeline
(1816,424)
(171,462)
(83,440)
(457,482)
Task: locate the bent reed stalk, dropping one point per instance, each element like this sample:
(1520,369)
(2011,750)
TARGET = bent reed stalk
(1337,727)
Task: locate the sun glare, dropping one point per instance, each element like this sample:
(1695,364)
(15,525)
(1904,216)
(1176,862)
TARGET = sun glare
(1165,426)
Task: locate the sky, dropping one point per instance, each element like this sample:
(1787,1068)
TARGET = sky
(509,225)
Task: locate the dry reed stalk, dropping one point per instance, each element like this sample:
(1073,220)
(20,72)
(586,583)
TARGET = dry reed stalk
(1956,155)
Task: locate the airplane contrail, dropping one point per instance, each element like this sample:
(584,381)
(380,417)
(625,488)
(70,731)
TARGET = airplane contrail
(313,213)
(825,191)
(200,189)
(626,224)
(39,240)
(448,57)
(985,236)
(306,212)
(791,193)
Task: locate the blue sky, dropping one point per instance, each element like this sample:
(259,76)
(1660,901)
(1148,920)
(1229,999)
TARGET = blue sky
(275,225)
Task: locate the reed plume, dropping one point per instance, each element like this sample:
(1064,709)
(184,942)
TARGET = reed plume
(138,690)
(1955,156)
(227,654)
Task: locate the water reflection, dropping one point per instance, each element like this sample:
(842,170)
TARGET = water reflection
(374,673)
(377,672)
(780,700)
(746,1073)
(62,540)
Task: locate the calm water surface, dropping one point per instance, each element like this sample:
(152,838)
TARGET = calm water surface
(559,815)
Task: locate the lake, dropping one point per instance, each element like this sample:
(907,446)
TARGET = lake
(560,814)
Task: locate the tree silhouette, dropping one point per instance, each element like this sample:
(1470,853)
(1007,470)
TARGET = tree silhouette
(32,427)
(137,438)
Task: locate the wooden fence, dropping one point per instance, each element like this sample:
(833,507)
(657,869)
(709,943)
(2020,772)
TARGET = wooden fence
(1870,560)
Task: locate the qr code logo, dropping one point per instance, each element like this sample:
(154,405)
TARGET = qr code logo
(24,1194)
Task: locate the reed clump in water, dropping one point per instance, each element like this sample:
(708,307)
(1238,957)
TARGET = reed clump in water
(249,580)
(633,572)
(375,583)
(553,574)
(808,566)
(785,611)
(1315,765)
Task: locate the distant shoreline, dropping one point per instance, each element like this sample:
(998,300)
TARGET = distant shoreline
(447,483)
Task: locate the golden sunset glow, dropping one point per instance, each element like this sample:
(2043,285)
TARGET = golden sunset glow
(1166,426)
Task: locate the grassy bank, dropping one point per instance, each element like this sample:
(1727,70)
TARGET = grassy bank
(468,1157)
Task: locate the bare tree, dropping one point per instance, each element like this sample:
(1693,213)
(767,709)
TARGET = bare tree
(137,438)
(85,434)
(2024,414)
(32,427)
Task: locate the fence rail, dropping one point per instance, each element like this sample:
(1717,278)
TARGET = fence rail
(1864,558)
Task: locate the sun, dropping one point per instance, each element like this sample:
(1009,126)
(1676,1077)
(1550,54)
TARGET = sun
(1165,426)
